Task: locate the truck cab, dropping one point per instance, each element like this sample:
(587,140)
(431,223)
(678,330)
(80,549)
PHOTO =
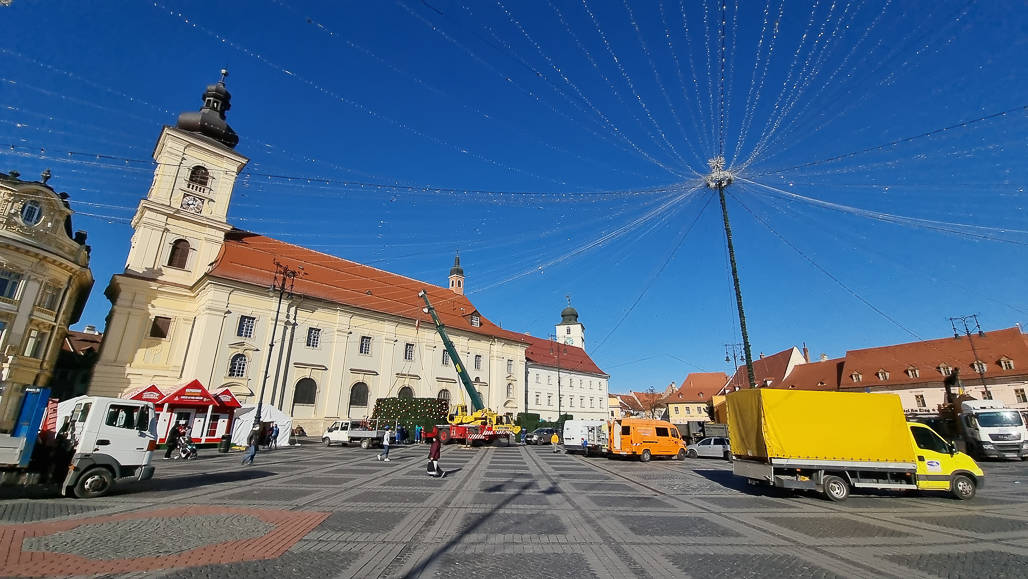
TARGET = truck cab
(992,430)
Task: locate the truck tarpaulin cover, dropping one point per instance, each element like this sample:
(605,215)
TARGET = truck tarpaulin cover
(798,424)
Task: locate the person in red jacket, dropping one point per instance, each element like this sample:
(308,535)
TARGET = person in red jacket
(433,459)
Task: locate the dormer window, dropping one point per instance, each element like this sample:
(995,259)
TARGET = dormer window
(882,375)
(476,320)
(856,377)
(945,369)
(912,372)
(978,366)
(1006,363)
(31,213)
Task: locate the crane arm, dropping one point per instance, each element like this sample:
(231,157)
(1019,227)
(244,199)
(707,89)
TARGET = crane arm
(476,400)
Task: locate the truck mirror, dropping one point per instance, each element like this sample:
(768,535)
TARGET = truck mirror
(952,448)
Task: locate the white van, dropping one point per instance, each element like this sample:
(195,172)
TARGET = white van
(595,433)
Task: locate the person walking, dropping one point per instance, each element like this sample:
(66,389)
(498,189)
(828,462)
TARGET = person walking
(173,435)
(418,429)
(273,443)
(384,455)
(555,441)
(251,445)
(585,447)
(433,459)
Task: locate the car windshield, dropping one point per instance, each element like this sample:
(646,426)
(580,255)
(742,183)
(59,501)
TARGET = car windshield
(994,419)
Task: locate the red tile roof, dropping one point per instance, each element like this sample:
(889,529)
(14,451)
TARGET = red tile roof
(928,355)
(629,401)
(80,342)
(699,387)
(249,258)
(771,368)
(648,400)
(556,355)
(821,375)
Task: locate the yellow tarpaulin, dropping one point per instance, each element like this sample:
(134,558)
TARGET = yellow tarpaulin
(798,424)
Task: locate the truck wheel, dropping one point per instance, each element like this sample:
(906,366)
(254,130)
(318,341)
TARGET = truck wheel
(95,482)
(963,487)
(444,436)
(645,456)
(681,454)
(326,442)
(692,453)
(835,488)
(365,443)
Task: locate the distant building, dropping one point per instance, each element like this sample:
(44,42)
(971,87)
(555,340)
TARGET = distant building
(44,283)
(768,371)
(563,379)
(193,303)
(690,401)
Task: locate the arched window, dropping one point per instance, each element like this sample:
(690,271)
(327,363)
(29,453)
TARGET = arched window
(199,176)
(406,392)
(444,394)
(306,391)
(179,254)
(510,390)
(359,394)
(237,366)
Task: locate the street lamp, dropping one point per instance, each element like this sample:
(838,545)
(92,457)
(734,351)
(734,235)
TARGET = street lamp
(283,284)
(978,366)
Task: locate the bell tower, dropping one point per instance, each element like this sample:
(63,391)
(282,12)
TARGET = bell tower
(457,276)
(181,224)
(570,331)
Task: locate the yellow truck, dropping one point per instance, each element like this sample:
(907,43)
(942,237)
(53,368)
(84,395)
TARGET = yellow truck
(833,441)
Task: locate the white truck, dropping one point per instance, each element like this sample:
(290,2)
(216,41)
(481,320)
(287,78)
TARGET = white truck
(991,430)
(595,433)
(368,433)
(86,443)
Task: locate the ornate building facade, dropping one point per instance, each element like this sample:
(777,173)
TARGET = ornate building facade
(44,280)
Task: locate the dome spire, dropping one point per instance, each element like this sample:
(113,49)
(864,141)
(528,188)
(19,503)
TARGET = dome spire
(210,119)
(457,276)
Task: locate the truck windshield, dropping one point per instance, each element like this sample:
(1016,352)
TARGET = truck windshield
(995,419)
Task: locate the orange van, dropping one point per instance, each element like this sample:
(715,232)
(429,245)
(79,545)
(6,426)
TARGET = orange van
(645,438)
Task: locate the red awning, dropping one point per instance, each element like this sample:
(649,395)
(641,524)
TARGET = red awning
(227,399)
(149,394)
(192,394)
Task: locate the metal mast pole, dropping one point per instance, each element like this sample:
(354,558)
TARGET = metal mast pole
(719,179)
(283,274)
(974,351)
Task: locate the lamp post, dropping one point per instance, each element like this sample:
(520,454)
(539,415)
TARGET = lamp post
(553,340)
(978,366)
(283,284)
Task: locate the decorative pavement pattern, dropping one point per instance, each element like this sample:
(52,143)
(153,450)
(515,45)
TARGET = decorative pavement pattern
(508,512)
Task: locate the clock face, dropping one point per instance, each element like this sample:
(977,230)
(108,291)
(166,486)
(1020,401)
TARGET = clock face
(192,203)
(569,341)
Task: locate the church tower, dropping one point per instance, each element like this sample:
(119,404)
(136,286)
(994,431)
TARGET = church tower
(457,276)
(180,225)
(570,331)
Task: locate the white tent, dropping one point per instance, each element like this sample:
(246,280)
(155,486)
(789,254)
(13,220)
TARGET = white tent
(242,423)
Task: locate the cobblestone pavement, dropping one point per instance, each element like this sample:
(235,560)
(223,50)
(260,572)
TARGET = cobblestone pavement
(504,512)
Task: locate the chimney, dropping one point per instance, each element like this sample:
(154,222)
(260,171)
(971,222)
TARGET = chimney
(90,330)
(824,357)
(806,353)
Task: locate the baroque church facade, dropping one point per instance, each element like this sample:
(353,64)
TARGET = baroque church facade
(194,303)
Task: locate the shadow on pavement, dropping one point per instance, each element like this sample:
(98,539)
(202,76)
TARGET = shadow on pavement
(190,481)
(728,480)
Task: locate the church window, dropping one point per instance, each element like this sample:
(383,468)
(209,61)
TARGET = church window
(446,358)
(199,177)
(537,399)
(49,297)
(31,213)
(478,361)
(160,327)
(510,366)
(306,391)
(476,320)
(9,283)
(408,351)
(313,337)
(510,390)
(246,325)
(406,392)
(179,254)
(237,366)
(359,394)
(365,345)
(567,330)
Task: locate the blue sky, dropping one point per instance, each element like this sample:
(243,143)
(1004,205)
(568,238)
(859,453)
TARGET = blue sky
(559,146)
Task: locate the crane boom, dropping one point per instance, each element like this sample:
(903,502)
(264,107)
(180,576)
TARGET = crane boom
(476,400)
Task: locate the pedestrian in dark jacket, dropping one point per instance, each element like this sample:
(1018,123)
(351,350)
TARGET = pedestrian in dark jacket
(251,445)
(173,435)
(433,459)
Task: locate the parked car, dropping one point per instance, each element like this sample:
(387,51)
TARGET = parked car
(539,436)
(714,446)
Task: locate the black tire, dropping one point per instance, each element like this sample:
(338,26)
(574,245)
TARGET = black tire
(692,453)
(444,436)
(95,482)
(326,441)
(963,487)
(365,443)
(835,488)
(681,454)
(728,455)
(645,456)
